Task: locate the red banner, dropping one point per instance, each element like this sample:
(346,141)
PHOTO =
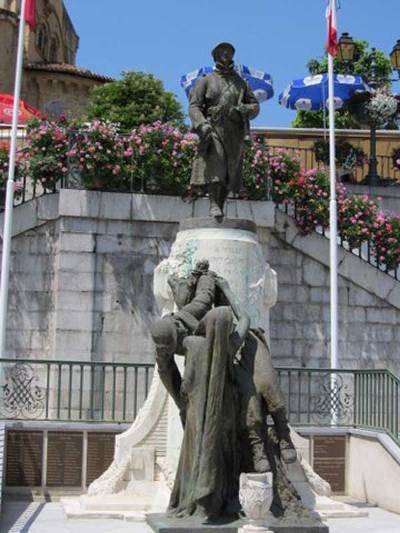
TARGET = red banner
(331,41)
(30,13)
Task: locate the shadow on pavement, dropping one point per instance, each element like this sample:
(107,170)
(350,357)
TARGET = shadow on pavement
(17,517)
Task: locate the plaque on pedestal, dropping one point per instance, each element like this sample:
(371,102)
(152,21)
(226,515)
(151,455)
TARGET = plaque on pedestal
(330,460)
(24,458)
(64,459)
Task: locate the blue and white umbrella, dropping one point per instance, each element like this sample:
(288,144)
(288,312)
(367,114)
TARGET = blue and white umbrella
(260,82)
(311,93)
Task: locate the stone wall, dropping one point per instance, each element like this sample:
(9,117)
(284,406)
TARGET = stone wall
(31,295)
(82,270)
(300,328)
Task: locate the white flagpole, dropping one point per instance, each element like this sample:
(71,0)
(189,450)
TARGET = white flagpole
(8,215)
(333,212)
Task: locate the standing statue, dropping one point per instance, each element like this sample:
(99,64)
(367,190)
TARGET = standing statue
(227,390)
(221,105)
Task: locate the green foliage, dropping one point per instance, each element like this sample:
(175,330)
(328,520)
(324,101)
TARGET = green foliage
(136,99)
(362,66)
(315,119)
(347,155)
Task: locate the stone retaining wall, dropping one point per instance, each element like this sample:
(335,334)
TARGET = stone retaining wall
(81,283)
(300,329)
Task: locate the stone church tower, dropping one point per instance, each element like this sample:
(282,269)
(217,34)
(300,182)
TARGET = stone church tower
(51,81)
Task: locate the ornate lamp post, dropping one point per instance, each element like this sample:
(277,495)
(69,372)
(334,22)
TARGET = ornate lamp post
(372,178)
(395,57)
(346,51)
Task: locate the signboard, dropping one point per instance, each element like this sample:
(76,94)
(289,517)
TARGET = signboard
(330,460)
(24,458)
(100,453)
(64,459)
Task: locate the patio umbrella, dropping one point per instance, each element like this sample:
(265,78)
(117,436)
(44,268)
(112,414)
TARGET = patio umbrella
(311,93)
(260,82)
(25,111)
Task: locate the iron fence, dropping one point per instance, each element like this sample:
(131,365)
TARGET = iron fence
(79,391)
(353,398)
(73,390)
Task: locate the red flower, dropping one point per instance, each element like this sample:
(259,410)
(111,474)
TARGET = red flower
(292,183)
(300,181)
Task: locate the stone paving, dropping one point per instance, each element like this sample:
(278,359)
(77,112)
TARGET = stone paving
(40,517)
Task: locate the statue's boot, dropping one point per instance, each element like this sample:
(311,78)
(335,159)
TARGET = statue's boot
(256,438)
(222,196)
(214,190)
(286,446)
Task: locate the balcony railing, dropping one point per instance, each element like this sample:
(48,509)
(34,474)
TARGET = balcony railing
(79,391)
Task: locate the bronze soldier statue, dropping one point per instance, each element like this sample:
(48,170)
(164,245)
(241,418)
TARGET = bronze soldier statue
(221,105)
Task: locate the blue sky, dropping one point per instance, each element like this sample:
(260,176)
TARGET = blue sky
(171,37)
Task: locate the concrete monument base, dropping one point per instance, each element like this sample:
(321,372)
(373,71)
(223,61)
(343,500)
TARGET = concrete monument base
(162,523)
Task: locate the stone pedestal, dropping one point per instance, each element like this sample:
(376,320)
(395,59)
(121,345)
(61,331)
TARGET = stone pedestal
(160,523)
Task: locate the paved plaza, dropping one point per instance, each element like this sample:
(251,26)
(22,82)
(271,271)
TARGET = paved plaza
(40,517)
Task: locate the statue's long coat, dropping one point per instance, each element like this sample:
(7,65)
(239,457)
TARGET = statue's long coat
(212,100)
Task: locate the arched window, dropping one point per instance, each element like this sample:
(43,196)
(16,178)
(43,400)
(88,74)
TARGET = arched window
(42,41)
(53,55)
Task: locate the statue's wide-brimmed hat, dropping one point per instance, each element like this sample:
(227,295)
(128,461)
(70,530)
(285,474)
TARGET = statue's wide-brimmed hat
(220,46)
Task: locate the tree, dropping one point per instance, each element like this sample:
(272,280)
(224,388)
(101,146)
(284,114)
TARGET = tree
(138,98)
(362,66)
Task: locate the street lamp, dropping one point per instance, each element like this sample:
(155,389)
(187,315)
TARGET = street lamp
(395,57)
(346,49)
(345,55)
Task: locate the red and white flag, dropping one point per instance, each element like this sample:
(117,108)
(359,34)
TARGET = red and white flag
(331,41)
(30,13)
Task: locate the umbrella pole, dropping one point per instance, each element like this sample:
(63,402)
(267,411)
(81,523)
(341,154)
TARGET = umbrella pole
(8,214)
(333,231)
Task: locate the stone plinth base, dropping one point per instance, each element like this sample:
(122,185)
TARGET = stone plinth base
(163,523)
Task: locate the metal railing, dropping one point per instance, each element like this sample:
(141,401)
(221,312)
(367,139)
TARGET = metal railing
(73,390)
(353,398)
(79,391)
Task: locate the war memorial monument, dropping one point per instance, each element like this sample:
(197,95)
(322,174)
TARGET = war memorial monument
(232,463)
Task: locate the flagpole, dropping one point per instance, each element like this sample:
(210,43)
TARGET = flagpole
(333,211)
(8,214)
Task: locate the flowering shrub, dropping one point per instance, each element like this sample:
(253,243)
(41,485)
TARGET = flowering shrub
(396,158)
(356,217)
(256,167)
(97,152)
(284,171)
(45,155)
(160,158)
(4,158)
(387,240)
(311,196)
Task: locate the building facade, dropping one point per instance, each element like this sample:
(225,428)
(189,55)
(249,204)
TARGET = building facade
(51,82)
